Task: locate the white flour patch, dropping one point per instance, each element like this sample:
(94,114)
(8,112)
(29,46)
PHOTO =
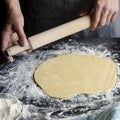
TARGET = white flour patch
(10,108)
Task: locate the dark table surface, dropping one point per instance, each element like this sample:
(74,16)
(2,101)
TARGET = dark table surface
(17,79)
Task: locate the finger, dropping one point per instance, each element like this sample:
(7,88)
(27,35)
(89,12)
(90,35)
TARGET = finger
(22,36)
(10,44)
(22,53)
(109,18)
(15,43)
(14,37)
(4,45)
(5,38)
(10,58)
(96,18)
(103,18)
(114,16)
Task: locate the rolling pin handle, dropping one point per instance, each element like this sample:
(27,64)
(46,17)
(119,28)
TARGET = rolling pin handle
(17,49)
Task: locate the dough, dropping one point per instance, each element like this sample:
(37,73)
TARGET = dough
(70,74)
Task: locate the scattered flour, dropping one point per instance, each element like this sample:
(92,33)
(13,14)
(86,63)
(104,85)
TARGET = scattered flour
(17,79)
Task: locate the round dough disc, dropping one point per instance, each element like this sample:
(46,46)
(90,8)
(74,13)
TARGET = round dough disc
(68,75)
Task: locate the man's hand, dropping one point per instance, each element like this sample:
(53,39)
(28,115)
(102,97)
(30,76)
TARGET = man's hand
(105,11)
(13,32)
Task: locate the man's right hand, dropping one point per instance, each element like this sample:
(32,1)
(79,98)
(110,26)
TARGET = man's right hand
(13,32)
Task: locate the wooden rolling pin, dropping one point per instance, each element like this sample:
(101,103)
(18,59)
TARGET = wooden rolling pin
(52,35)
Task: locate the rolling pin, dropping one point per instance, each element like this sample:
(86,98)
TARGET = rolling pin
(52,35)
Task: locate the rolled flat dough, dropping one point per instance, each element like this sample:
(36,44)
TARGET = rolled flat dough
(68,75)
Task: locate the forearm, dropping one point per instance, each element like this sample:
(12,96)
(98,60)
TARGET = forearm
(13,6)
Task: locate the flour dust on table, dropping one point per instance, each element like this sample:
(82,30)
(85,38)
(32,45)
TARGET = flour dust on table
(17,79)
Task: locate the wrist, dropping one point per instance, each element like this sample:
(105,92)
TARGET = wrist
(13,6)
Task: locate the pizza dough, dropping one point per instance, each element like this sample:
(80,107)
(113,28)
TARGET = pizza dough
(68,75)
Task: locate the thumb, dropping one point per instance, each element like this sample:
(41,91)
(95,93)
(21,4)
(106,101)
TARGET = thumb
(22,36)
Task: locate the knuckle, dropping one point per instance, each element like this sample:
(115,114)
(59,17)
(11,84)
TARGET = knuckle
(106,8)
(17,26)
(102,23)
(112,10)
(22,38)
(99,4)
(96,21)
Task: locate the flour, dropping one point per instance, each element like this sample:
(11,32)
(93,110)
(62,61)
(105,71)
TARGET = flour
(17,79)
(9,108)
